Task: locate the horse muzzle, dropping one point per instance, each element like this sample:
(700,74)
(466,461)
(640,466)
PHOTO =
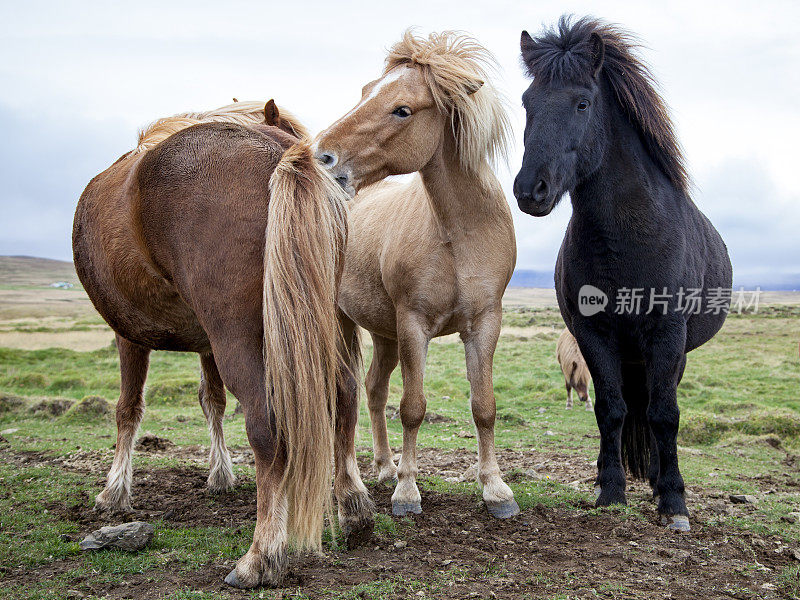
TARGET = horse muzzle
(534,195)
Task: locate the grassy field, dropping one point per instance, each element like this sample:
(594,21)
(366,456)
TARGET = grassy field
(740,434)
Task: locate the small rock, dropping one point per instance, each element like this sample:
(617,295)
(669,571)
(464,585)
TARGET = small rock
(128,536)
(9,431)
(181,418)
(743,499)
(790,518)
(542,410)
(719,507)
(548,432)
(795,554)
(447,561)
(399,544)
(466,434)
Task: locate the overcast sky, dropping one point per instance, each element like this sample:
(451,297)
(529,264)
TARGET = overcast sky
(77,79)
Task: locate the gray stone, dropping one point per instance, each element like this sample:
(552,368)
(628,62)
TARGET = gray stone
(128,536)
(743,499)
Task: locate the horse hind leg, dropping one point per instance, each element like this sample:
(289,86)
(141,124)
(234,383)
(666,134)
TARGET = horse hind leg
(384,361)
(212,400)
(134,361)
(356,509)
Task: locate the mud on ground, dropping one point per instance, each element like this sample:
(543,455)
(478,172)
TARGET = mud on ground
(454,547)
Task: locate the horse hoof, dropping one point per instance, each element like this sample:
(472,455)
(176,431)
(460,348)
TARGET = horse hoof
(503,510)
(401,509)
(233,580)
(358,533)
(676,522)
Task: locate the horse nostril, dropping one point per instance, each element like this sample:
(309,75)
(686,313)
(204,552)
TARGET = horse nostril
(327,158)
(540,191)
(342,180)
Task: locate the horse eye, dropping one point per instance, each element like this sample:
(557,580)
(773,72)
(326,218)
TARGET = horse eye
(583,105)
(402,112)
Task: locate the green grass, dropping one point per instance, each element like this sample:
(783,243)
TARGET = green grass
(740,414)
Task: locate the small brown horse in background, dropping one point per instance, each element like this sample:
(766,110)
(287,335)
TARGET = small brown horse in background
(573,367)
(431,257)
(226,238)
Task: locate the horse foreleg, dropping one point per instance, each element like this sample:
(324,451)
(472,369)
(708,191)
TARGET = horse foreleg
(134,361)
(603,360)
(384,361)
(266,561)
(413,349)
(212,400)
(479,347)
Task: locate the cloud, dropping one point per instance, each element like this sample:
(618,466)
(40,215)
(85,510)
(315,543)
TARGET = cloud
(44,166)
(77,80)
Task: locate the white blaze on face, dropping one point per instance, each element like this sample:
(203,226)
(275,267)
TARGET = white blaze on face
(390,77)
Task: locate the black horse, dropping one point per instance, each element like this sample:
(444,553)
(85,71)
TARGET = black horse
(642,276)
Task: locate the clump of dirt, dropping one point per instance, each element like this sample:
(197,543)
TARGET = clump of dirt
(89,408)
(393,412)
(152,443)
(11,403)
(53,407)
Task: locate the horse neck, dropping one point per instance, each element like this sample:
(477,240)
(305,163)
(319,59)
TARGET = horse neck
(462,201)
(628,189)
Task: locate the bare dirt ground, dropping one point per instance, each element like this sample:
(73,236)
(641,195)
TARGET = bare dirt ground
(569,550)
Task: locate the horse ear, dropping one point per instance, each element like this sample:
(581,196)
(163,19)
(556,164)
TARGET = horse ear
(526,46)
(598,53)
(271,114)
(472,85)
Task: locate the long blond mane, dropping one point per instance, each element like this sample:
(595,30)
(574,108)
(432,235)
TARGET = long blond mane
(243,113)
(450,62)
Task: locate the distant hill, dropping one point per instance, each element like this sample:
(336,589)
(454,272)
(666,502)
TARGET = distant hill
(29,270)
(33,271)
(532,279)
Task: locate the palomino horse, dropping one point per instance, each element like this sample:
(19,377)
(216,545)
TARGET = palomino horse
(188,244)
(433,256)
(597,129)
(573,367)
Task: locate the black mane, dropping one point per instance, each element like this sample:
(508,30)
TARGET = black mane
(564,55)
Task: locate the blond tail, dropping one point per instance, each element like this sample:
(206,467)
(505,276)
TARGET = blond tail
(303,257)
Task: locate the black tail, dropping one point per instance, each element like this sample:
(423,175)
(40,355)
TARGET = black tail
(635,431)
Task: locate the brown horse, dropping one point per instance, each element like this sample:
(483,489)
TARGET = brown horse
(227,239)
(433,256)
